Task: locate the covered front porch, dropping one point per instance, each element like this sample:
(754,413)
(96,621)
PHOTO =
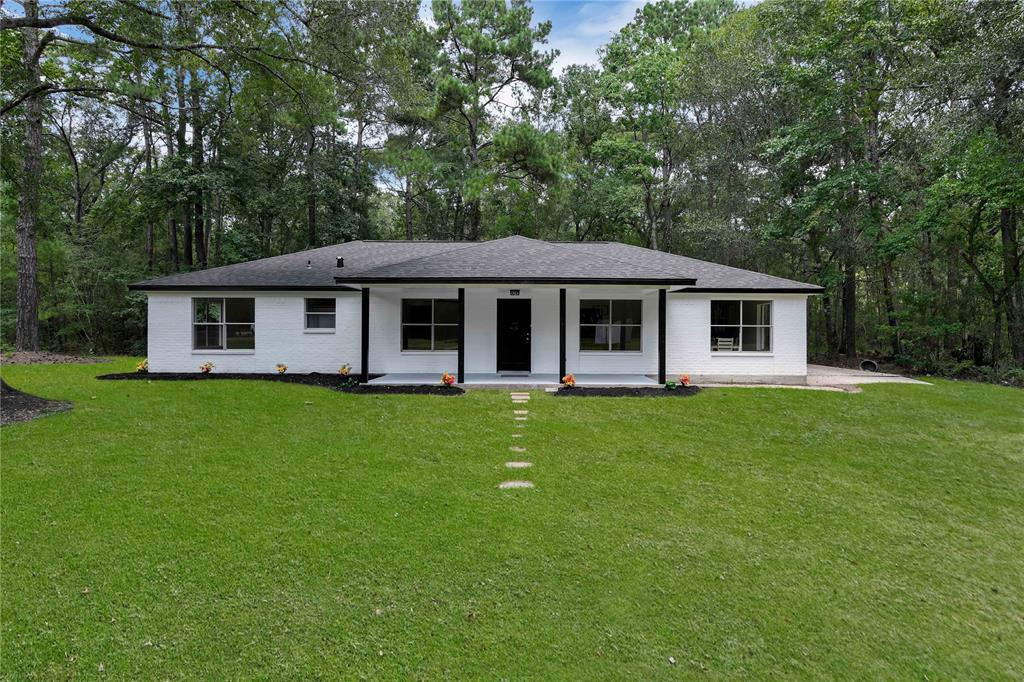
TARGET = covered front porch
(539,380)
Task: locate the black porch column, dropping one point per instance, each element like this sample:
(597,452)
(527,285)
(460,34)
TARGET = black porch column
(661,335)
(561,334)
(364,362)
(461,372)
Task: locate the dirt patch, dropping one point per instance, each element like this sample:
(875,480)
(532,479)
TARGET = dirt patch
(628,391)
(335,382)
(16,406)
(47,358)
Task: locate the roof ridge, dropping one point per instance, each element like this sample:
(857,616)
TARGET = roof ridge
(708,262)
(602,256)
(461,246)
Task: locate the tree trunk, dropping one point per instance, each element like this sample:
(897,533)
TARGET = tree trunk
(147,140)
(185,208)
(27,329)
(849,343)
(197,166)
(311,236)
(407,198)
(1012,283)
(890,308)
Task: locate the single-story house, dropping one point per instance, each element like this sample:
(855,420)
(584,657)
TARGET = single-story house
(512,310)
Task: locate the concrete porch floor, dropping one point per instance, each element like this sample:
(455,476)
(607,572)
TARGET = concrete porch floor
(822,375)
(539,380)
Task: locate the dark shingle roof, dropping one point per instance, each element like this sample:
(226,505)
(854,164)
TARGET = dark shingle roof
(512,259)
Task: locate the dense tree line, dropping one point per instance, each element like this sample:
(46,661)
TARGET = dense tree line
(873,146)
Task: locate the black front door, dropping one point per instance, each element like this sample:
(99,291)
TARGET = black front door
(513,335)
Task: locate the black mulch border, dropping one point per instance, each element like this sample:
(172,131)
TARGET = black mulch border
(334,382)
(18,406)
(627,392)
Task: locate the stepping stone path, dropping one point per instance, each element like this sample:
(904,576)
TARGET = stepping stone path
(518,398)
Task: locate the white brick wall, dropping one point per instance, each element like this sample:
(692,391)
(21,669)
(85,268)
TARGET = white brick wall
(280,336)
(689,340)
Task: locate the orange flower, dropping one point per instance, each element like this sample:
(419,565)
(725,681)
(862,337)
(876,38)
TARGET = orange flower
(684,379)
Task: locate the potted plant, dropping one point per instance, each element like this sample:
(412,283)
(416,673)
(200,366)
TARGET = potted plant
(206,367)
(569,381)
(684,379)
(345,370)
(281,368)
(447,379)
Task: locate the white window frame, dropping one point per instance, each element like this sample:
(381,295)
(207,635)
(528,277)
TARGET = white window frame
(741,326)
(402,324)
(305,315)
(223,350)
(609,325)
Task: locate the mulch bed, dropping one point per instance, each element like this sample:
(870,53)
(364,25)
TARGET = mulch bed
(627,391)
(16,406)
(47,358)
(335,382)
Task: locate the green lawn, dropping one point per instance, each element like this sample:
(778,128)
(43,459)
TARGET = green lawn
(237,529)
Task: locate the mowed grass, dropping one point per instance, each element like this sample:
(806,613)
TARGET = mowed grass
(246,529)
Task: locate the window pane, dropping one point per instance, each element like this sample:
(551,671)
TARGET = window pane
(240,310)
(626,337)
(725,312)
(757,338)
(416,310)
(206,337)
(240,336)
(757,312)
(207,309)
(594,312)
(725,338)
(319,321)
(626,312)
(594,337)
(415,337)
(446,337)
(320,305)
(446,311)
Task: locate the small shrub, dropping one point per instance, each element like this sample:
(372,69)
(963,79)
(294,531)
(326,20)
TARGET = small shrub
(142,367)
(684,379)
(206,367)
(569,381)
(345,370)
(447,379)
(670,385)
(281,368)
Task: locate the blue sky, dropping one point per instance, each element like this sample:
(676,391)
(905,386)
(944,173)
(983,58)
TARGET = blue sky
(578,29)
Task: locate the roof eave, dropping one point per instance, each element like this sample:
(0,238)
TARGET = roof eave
(750,290)
(518,280)
(143,286)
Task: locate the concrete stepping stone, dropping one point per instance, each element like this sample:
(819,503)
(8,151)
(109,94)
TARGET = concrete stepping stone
(516,448)
(505,485)
(518,465)
(519,419)
(520,412)
(517,435)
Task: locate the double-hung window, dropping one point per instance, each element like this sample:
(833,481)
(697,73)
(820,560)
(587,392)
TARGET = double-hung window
(320,314)
(741,326)
(612,325)
(430,324)
(223,323)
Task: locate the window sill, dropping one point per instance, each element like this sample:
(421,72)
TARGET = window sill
(611,352)
(224,352)
(317,331)
(430,352)
(744,353)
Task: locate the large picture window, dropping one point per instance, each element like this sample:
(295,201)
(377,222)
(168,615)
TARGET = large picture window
(741,326)
(223,323)
(320,314)
(430,324)
(612,325)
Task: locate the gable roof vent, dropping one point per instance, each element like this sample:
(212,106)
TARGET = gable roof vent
(341,262)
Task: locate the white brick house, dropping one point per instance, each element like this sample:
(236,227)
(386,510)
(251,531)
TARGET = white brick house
(512,310)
